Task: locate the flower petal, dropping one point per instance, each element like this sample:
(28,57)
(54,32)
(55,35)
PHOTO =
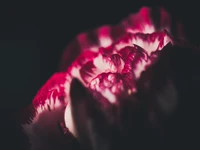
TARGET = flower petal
(101,64)
(139,22)
(151,42)
(134,65)
(40,121)
(54,85)
(143,21)
(124,52)
(149,20)
(109,85)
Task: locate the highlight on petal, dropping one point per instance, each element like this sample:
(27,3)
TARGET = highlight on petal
(101,64)
(105,64)
(140,22)
(105,39)
(69,121)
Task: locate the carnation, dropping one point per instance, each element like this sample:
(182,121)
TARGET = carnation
(109,62)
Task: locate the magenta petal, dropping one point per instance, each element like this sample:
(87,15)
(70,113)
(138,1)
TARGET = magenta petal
(109,85)
(87,72)
(117,32)
(48,97)
(149,20)
(140,22)
(55,83)
(134,65)
(117,62)
(135,62)
(126,40)
(100,64)
(41,119)
(90,41)
(106,51)
(86,57)
(124,52)
(151,42)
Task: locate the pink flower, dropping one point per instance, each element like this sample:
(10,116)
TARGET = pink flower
(108,60)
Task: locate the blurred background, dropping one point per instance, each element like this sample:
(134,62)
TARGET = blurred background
(34,34)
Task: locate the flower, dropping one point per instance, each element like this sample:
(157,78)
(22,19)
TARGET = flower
(108,60)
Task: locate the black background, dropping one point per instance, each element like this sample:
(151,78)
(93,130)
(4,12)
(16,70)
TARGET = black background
(34,34)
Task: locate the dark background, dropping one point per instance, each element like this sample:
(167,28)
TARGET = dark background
(33,36)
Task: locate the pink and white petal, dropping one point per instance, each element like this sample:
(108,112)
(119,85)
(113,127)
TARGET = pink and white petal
(40,121)
(88,72)
(104,35)
(142,22)
(109,85)
(124,52)
(55,85)
(83,42)
(105,64)
(151,42)
(86,57)
(107,51)
(43,131)
(74,69)
(139,22)
(101,64)
(118,62)
(90,41)
(135,63)
(136,55)
(149,20)
(126,40)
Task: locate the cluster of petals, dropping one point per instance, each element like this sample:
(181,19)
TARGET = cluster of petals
(108,60)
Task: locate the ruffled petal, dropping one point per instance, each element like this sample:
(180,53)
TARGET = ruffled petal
(135,63)
(42,120)
(151,42)
(139,22)
(54,85)
(109,85)
(100,64)
(149,20)
(144,21)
